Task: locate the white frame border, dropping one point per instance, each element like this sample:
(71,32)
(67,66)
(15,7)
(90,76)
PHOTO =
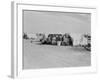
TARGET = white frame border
(17,71)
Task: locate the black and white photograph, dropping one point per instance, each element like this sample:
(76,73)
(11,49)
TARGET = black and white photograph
(54,39)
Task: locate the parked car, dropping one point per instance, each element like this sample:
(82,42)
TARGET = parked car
(67,40)
(49,39)
(54,38)
(57,39)
(88,45)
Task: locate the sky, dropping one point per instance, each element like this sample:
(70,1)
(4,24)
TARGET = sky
(56,22)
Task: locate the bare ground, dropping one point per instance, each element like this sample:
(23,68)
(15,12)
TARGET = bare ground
(36,56)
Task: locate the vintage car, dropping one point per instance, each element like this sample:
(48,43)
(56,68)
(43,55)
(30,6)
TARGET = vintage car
(67,40)
(57,39)
(88,45)
(54,38)
(49,39)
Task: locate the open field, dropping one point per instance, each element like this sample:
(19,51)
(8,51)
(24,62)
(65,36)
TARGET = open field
(36,56)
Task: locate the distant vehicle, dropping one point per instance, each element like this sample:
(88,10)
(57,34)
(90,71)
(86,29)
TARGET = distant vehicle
(49,39)
(53,38)
(88,45)
(67,40)
(57,39)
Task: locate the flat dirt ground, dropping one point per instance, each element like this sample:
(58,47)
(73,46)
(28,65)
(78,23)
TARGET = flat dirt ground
(37,56)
